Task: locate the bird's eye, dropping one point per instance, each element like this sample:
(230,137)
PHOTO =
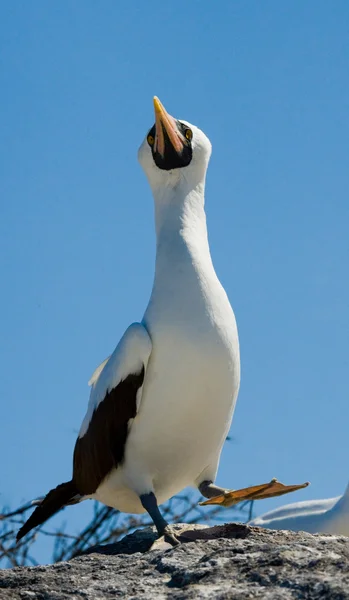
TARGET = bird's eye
(150,140)
(188,134)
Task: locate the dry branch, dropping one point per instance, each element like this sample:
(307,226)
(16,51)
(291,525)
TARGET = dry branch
(106,525)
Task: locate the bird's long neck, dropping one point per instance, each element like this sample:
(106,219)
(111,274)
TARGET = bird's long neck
(180,223)
(183,258)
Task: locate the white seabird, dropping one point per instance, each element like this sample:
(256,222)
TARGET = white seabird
(315,516)
(161,405)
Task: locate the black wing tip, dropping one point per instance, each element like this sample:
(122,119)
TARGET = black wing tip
(21,533)
(30,524)
(51,504)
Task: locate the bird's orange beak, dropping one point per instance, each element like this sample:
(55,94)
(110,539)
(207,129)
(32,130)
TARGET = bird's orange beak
(164,123)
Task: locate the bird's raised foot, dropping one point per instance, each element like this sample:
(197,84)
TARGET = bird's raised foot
(255,492)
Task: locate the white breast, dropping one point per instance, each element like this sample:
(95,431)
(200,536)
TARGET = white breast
(185,414)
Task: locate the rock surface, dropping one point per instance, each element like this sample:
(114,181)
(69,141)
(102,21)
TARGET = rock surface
(222,562)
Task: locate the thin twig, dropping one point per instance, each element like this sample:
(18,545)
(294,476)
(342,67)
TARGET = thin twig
(105,526)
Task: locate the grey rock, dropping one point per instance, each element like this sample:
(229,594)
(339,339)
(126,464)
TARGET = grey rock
(222,562)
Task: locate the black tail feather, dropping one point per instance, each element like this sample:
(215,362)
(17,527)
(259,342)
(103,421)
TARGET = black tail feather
(51,504)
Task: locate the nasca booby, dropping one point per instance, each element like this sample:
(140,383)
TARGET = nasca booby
(161,405)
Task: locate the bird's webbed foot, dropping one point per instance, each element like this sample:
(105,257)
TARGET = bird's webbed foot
(255,492)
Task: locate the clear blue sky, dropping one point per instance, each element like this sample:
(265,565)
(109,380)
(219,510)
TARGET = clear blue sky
(268,83)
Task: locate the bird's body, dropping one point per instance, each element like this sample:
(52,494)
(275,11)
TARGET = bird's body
(192,376)
(330,515)
(161,405)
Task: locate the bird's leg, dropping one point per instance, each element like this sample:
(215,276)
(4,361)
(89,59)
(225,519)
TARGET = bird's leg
(209,490)
(150,504)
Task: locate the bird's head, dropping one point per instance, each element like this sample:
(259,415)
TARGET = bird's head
(174,150)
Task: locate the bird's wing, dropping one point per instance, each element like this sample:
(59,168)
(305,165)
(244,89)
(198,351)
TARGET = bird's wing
(96,373)
(114,401)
